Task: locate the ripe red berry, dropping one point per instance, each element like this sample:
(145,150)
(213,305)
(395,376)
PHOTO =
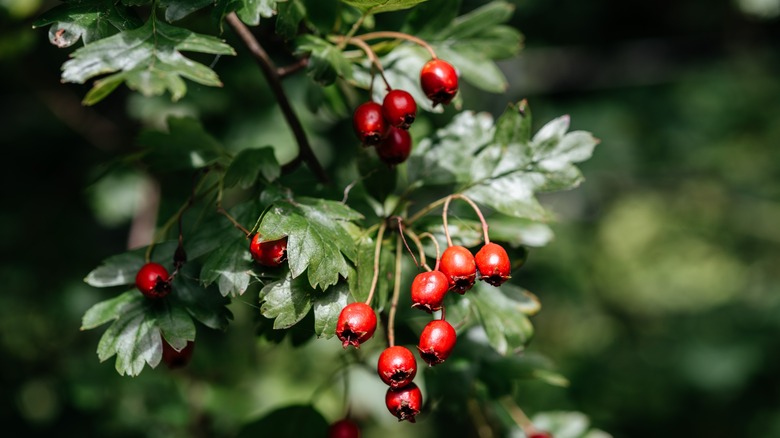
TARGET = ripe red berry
(436,342)
(404,403)
(428,290)
(493,264)
(369,123)
(439,81)
(153,280)
(177,359)
(459,267)
(356,324)
(270,253)
(395,149)
(397,366)
(399,108)
(540,434)
(344,428)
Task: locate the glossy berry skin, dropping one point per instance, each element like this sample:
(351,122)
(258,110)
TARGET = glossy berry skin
(397,366)
(436,342)
(540,434)
(439,81)
(344,428)
(428,290)
(270,253)
(153,280)
(177,359)
(493,264)
(356,324)
(459,267)
(399,109)
(370,124)
(404,403)
(395,149)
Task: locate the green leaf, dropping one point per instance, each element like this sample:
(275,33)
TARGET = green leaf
(134,339)
(430,17)
(327,308)
(186,145)
(317,242)
(175,324)
(503,318)
(326,61)
(230,266)
(248,164)
(476,21)
(148,59)
(177,9)
(250,11)
(206,305)
(286,301)
(290,421)
(567,424)
(290,15)
(108,310)
(514,125)
(376,6)
(90,20)
(120,269)
(475,67)
(322,14)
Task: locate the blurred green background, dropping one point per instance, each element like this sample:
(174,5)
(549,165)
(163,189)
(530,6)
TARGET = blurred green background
(660,292)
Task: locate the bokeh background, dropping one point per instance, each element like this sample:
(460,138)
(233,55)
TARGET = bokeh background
(660,292)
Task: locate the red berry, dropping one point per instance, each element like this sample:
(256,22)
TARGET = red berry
(395,149)
(177,359)
(428,290)
(493,264)
(404,403)
(459,267)
(270,253)
(436,342)
(540,434)
(153,280)
(439,81)
(369,123)
(356,324)
(397,366)
(344,428)
(399,108)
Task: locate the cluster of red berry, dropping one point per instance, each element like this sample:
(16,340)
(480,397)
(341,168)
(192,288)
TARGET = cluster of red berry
(386,126)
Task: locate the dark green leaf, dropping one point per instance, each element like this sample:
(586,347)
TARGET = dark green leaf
(206,305)
(503,318)
(317,241)
(119,270)
(230,266)
(327,308)
(250,11)
(134,339)
(514,126)
(430,17)
(186,145)
(109,310)
(322,14)
(177,9)
(248,164)
(290,421)
(326,61)
(475,67)
(148,59)
(175,324)
(286,301)
(291,13)
(376,6)
(476,21)
(90,20)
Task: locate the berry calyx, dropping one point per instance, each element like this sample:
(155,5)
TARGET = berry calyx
(271,253)
(459,267)
(540,434)
(404,403)
(436,342)
(395,149)
(177,359)
(399,108)
(369,123)
(397,366)
(439,81)
(344,428)
(356,324)
(153,280)
(493,264)
(428,290)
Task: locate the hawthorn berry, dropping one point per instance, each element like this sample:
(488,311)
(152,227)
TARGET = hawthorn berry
(399,108)
(344,428)
(493,264)
(540,434)
(404,403)
(370,124)
(177,359)
(153,280)
(395,149)
(356,324)
(436,342)
(271,253)
(458,265)
(439,81)
(428,290)
(397,366)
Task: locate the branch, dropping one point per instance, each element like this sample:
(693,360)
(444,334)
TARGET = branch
(274,81)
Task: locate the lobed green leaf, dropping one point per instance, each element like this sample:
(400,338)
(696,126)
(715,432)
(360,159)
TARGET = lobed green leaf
(230,266)
(88,20)
(327,308)
(248,164)
(377,6)
(503,318)
(286,301)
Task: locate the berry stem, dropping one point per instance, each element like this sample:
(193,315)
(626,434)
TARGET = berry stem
(416,239)
(436,244)
(396,293)
(425,210)
(476,209)
(377,252)
(369,53)
(401,36)
(518,415)
(221,210)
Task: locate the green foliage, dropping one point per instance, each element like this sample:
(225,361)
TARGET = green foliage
(376,6)
(90,20)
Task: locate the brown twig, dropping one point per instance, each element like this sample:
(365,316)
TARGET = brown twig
(296,66)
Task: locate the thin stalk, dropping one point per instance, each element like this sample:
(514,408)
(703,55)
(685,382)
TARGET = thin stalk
(377,252)
(396,293)
(369,53)
(435,244)
(400,36)
(476,209)
(416,239)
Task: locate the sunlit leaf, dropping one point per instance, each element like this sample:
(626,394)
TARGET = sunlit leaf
(286,301)
(90,20)
(327,308)
(229,266)
(376,6)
